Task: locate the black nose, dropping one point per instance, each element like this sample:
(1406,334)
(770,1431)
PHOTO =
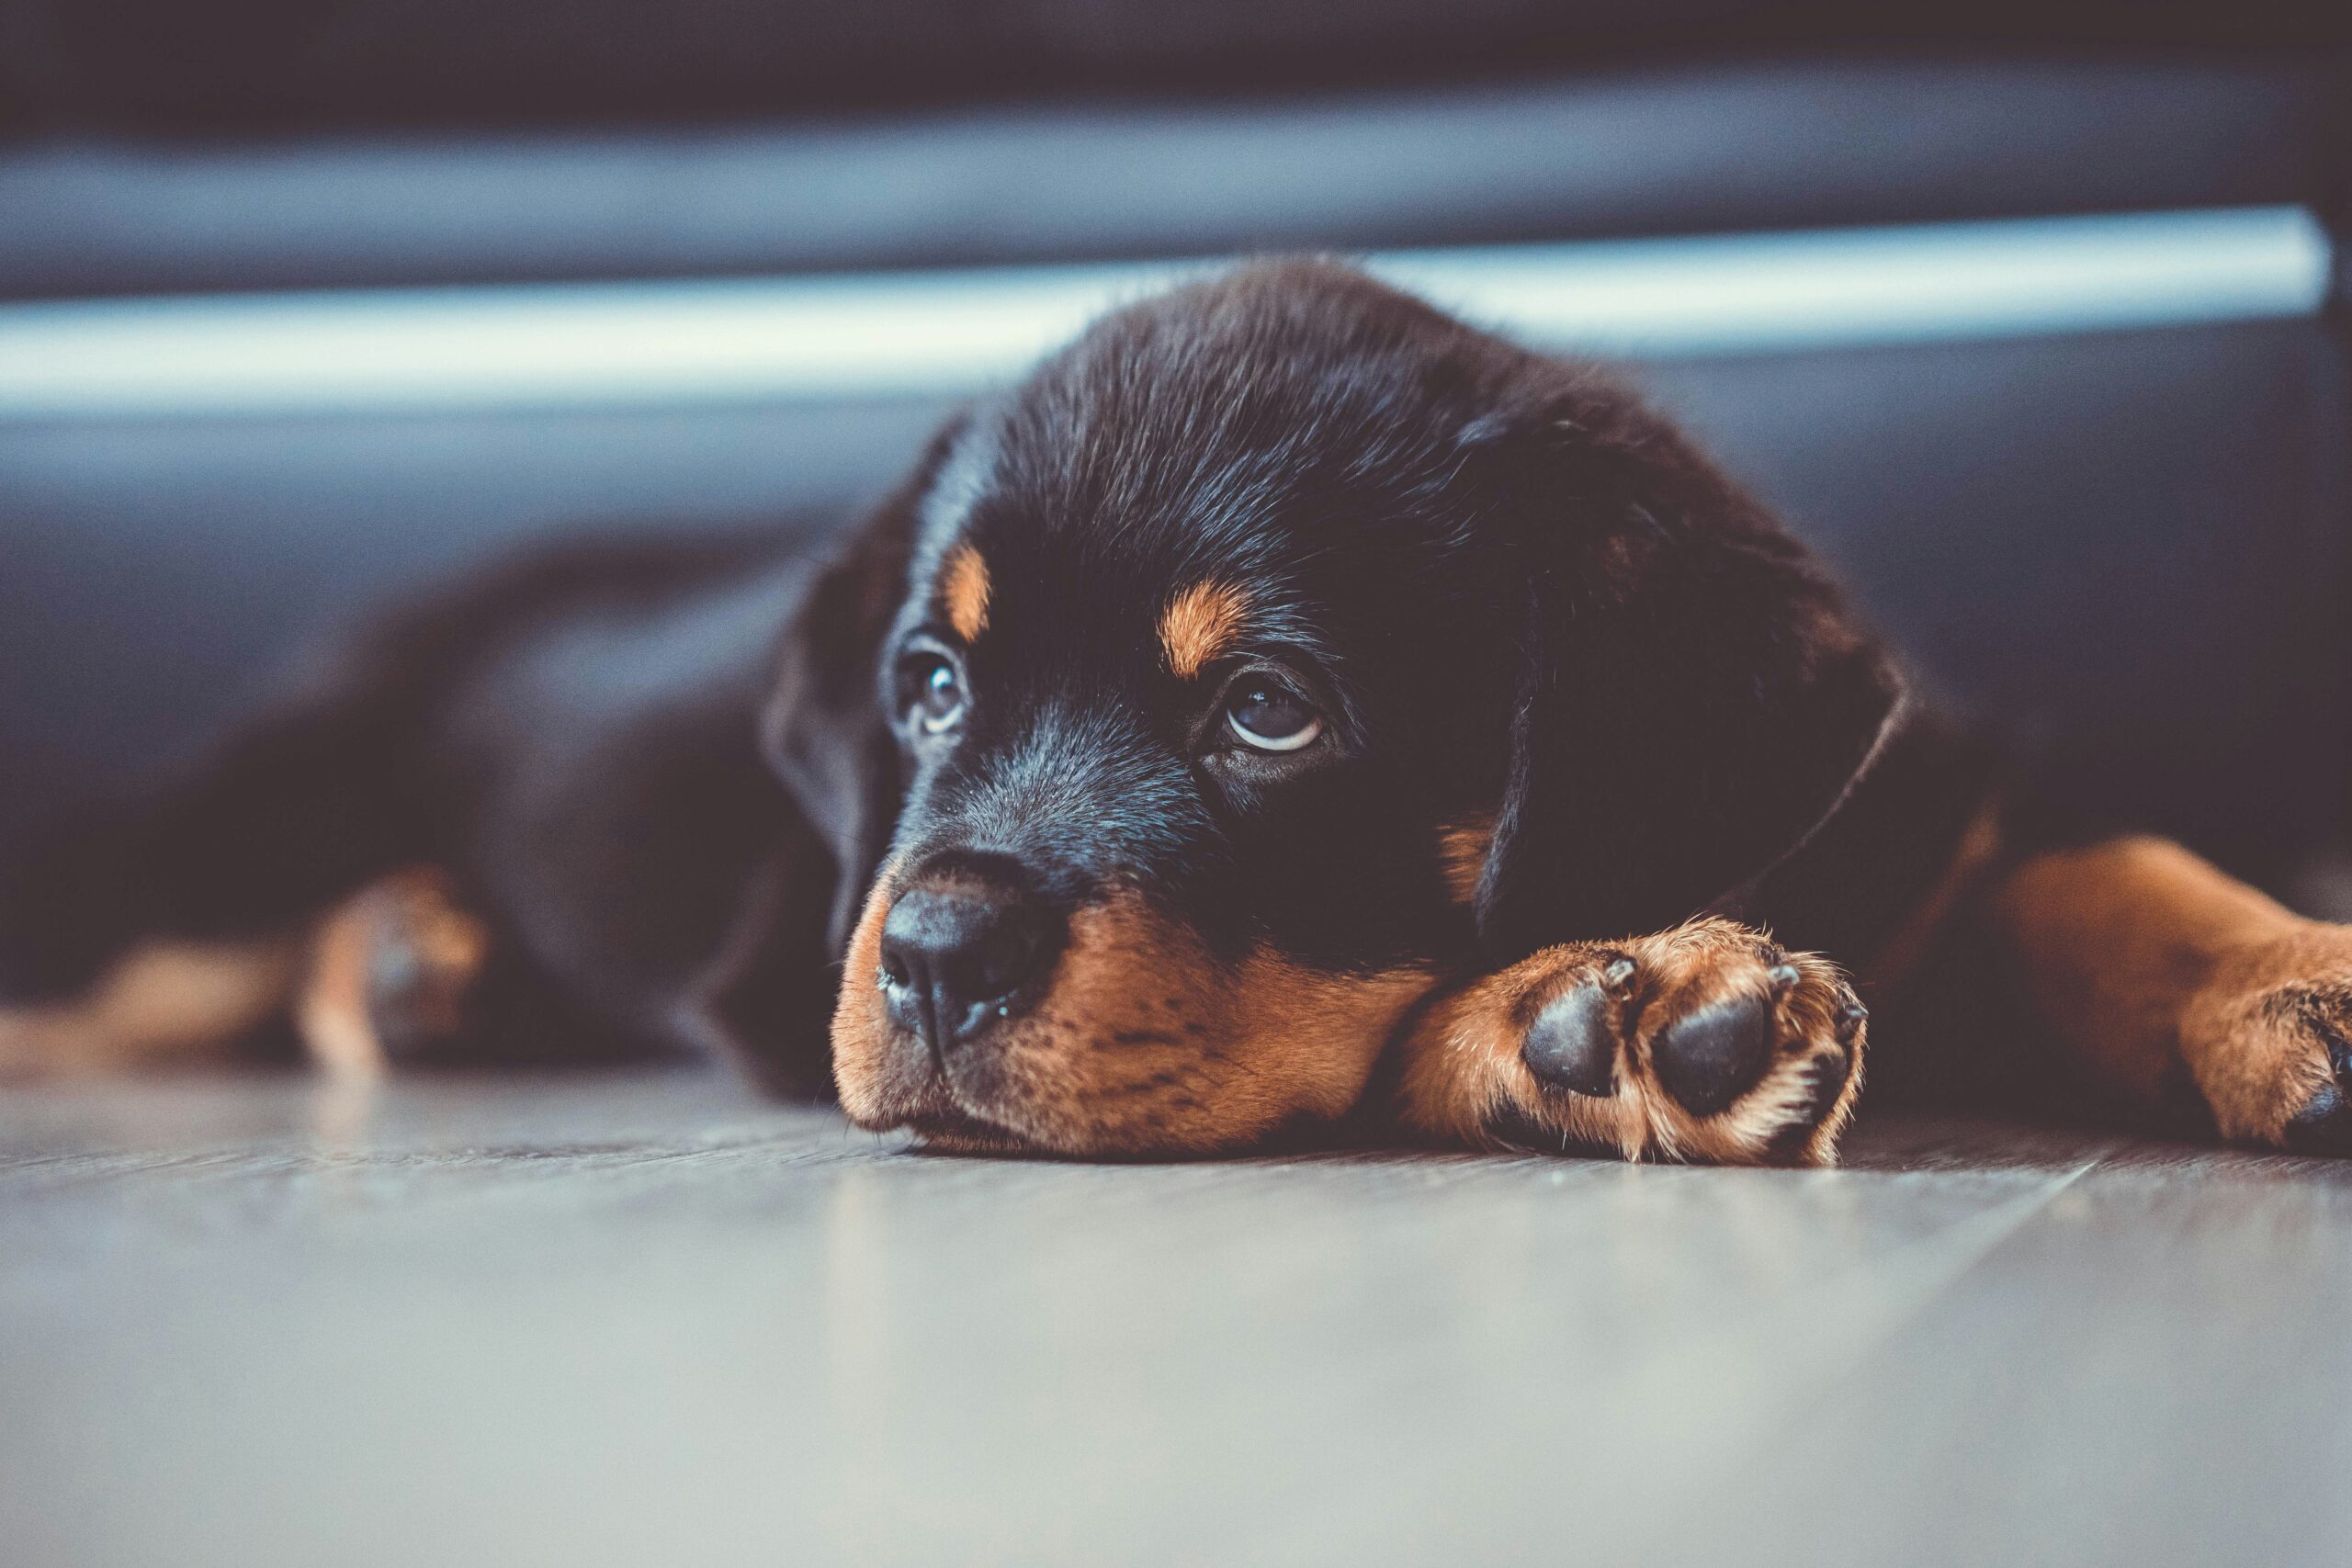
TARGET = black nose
(957,953)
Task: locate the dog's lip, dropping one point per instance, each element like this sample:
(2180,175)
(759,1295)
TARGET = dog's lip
(963,1135)
(953,1128)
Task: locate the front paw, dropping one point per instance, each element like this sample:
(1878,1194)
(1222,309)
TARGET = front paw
(2268,1038)
(1707,1043)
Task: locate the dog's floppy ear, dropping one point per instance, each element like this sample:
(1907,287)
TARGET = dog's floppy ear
(823,729)
(1694,696)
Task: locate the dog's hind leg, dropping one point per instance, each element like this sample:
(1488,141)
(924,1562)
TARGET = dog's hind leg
(163,1004)
(393,972)
(406,973)
(162,928)
(294,810)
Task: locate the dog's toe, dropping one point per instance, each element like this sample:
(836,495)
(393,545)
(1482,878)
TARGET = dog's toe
(1572,1046)
(1820,1080)
(1753,1053)
(1708,1058)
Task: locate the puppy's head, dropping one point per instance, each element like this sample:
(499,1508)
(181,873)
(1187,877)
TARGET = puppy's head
(1281,648)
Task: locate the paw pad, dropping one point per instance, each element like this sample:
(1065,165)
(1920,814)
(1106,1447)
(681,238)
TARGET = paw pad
(1572,1045)
(1707,1058)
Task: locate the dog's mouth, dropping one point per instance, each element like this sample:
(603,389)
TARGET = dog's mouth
(952,1130)
(976,1102)
(946,1119)
(1139,1044)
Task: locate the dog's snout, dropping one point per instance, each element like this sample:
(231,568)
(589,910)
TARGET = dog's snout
(955,956)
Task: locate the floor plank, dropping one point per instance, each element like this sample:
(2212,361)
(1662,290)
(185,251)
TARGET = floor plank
(647,1319)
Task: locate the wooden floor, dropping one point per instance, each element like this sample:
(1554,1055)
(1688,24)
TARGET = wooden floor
(647,1321)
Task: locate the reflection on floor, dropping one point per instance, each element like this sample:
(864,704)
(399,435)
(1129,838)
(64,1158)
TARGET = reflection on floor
(647,1320)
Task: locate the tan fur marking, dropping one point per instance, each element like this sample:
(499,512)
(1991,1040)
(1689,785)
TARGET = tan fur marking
(2152,964)
(964,592)
(414,915)
(869,1080)
(1145,1043)
(1461,1065)
(332,1012)
(1461,856)
(1200,624)
(166,1004)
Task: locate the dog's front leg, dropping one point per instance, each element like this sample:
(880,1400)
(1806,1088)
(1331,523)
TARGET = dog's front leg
(1705,1043)
(2163,974)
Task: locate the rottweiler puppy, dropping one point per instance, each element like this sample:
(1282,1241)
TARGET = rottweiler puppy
(1290,709)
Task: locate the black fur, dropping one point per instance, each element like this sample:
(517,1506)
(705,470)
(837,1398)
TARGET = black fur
(666,771)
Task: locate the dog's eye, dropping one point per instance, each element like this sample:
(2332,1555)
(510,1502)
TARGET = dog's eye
(1267,717)
(936,693)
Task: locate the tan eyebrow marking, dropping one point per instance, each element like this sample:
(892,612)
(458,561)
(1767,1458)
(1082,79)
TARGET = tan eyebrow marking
(964,592)
(1200,624)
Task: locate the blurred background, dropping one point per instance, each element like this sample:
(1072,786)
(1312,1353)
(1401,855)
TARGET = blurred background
(2028,314)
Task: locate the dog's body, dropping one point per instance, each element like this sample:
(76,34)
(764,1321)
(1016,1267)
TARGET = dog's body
(1294,706)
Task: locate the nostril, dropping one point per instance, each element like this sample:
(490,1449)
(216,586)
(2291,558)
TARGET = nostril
(998,962)
(954,956)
